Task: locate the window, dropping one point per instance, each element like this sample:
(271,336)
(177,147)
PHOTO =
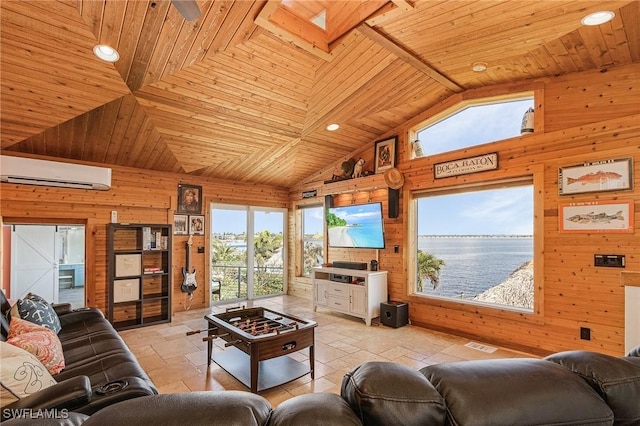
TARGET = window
(248,252)
(312,238)
(476,244)
(470,124)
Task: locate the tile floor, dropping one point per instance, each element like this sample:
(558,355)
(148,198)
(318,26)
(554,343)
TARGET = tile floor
(177,362)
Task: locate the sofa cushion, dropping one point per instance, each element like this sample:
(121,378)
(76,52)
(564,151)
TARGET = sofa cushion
(37,310)
(93,347)
(106,369)
(39,341)
(21,374)
(617,380)
(192,408)
(385,393)
(516,392)
(314,409)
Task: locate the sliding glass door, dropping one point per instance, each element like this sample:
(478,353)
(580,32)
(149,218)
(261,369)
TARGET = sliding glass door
(268,255)
(247,252)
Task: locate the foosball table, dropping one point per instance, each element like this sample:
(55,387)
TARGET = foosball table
(257,341)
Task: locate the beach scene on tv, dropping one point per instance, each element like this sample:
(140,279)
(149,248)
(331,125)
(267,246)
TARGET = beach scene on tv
(356,226)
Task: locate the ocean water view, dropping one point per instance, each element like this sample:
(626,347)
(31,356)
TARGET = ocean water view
(473,263)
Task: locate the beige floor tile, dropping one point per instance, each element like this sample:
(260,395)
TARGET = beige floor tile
(176,362)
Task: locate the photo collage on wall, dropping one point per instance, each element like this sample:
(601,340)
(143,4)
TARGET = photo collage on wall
(189,219)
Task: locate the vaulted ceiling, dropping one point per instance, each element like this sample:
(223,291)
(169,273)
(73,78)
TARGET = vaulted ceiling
(245,92)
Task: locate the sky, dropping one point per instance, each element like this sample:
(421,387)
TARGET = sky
(235,221)
(506,211)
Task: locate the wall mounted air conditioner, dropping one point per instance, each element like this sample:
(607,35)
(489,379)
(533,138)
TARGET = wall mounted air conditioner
(30,171)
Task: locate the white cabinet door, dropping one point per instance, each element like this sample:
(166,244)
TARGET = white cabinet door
(358,298)
(320,294)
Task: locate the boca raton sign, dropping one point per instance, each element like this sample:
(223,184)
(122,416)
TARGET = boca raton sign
(466,165)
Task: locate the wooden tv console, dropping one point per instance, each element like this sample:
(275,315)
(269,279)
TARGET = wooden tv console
(360,298)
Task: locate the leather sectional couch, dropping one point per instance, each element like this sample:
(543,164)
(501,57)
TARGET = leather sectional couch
(100,369)
(567,388)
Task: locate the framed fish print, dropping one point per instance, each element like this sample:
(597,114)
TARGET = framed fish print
(598,176)
(615,216)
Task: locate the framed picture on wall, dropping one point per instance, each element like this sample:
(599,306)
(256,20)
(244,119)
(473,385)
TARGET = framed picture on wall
(196,225)
(180,224)
(189,199)
(597,176)
(615,216)
(385,155)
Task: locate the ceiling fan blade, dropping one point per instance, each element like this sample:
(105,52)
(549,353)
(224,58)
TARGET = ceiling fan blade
(188,8)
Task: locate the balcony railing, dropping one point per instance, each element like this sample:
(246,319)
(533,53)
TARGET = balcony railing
(229,282)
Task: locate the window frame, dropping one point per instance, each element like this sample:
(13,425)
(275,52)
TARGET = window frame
(461,106)
(301,239)
(536,177)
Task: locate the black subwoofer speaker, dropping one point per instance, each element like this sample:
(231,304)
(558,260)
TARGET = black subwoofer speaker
(394,203)
(394,314)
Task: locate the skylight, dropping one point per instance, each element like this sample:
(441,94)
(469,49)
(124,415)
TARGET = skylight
(320,20)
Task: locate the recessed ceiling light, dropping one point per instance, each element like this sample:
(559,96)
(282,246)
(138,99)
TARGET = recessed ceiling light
(106,53)
(333,127)
(479,66)
(598,18)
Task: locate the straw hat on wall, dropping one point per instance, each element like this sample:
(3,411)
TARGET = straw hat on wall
(393,178)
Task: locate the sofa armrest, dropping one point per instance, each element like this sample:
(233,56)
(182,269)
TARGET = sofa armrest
(61,308)
(68,394)
(116,391)
(80,314)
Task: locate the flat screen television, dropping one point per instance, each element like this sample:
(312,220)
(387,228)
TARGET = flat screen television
(356,226)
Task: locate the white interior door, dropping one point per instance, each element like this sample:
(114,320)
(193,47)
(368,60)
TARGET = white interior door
(34,266)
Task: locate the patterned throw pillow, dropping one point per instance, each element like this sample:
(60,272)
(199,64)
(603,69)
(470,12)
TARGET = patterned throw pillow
(21,374)
(37,310)
(39,341)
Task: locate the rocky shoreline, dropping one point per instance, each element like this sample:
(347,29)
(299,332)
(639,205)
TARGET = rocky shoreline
(516,290)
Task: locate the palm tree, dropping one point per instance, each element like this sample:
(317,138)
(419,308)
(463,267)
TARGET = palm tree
(265,245)
(429,268)
(312,256)
(221,252)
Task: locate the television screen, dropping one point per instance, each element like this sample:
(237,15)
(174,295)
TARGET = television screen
(356,226)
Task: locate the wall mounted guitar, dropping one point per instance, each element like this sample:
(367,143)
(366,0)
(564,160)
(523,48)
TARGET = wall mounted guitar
(189,283)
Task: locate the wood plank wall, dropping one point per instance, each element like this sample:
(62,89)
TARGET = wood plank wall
(138,197)
(580,117)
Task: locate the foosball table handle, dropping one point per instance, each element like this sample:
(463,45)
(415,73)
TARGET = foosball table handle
(232,343)
(190,333)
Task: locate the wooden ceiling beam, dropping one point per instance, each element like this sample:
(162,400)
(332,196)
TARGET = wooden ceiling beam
(379,38)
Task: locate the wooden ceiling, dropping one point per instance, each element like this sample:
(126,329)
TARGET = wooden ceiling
(225,97)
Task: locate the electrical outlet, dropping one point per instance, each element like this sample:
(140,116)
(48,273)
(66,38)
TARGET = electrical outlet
(114,216)
(585,333)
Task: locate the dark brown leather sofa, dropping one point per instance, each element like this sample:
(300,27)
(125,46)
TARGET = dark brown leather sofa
(567,388)
(100,369)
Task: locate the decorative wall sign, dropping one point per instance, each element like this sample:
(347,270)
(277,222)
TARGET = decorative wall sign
(607,175)
(180,225)
(196,225)
(385,155)
(310,194)
(466,165)
(596,216)
(189,199)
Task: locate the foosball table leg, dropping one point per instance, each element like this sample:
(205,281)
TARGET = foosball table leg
(312,361)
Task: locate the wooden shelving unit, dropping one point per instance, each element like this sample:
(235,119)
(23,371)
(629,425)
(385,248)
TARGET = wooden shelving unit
(139,274)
